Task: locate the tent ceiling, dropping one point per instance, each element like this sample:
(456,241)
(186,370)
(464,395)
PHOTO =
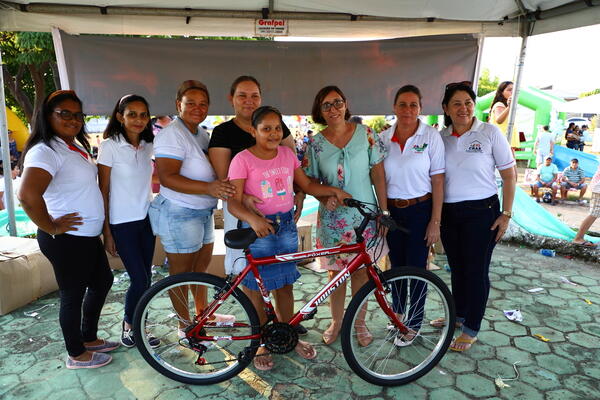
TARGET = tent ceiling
(589,104)
(310,18)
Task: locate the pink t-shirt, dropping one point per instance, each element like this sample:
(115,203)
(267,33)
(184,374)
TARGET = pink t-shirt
(269,180)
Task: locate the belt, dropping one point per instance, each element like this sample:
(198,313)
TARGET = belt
(403,203)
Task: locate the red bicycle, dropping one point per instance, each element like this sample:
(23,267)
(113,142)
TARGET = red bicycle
(394,305)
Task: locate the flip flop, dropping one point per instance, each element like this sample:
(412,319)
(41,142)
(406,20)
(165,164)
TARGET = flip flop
(307,345)
(459,339)
(266,366)
(586,243)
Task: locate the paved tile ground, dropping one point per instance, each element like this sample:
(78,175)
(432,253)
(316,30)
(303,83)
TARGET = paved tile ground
(566,367)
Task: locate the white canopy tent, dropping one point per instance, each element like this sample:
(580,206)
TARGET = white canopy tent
(587,105)
(308,18)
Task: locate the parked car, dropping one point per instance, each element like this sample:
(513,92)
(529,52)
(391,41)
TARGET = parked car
(579,121)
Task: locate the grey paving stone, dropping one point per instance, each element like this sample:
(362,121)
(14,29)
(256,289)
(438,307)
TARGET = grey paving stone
(475,385)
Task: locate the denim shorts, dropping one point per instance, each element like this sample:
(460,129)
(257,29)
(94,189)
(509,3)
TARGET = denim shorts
(275,276)
(181,229)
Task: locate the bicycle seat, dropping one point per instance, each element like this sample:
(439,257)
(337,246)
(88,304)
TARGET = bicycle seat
(240,238)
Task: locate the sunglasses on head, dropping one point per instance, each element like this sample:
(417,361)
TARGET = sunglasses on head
(67,115)
(456,84)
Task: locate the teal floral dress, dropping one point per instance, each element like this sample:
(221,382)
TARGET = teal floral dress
(349,169)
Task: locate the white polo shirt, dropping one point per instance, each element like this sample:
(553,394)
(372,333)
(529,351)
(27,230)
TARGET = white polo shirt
(408,173)
(74,184)
(471,160)
(177,142)
(130,178)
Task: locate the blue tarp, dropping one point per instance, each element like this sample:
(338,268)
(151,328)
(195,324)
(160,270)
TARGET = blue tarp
(563,156)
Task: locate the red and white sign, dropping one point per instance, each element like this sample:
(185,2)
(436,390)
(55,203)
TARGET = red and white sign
(271,27)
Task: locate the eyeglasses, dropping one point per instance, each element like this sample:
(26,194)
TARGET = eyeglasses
(455,84)
(67,115)
(337,103)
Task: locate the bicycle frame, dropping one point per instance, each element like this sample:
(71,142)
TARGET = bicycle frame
(308,310)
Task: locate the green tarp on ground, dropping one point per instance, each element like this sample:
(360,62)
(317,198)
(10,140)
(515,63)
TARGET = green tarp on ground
(535,219)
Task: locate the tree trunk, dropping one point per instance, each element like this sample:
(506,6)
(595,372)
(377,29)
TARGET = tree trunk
(14,85)
(37,75)
(55,75)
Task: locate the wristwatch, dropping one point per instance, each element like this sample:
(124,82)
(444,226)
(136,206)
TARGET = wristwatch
(385,212)
(507,213)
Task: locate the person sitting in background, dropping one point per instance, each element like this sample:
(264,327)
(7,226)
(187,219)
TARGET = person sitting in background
(546,177)
(544,145)
(594,212)
(573,178)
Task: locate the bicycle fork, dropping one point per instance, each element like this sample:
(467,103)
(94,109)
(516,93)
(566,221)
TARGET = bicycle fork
(381,289)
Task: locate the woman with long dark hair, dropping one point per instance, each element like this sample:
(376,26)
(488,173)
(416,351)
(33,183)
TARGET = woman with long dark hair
(472,220)
(60,194)
(125,173)
(500,110)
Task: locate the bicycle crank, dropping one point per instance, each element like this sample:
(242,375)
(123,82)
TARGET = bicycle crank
(280,338)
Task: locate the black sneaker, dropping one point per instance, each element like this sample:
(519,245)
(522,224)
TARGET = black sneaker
(127,337)
(302,331)
(153,341)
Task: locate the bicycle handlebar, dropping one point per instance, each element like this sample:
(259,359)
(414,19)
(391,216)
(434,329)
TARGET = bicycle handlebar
(385,220)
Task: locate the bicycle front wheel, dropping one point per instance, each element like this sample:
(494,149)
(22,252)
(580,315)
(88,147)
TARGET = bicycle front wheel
(391,358)
(170,305)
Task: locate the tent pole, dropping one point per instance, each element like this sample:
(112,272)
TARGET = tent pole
(60,59)
(8,187)
(515,96)
(480,40)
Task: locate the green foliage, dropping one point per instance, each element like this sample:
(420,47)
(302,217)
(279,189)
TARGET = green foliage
(34,47)
(20,51)
(486,83)
(377,122)
(590,93)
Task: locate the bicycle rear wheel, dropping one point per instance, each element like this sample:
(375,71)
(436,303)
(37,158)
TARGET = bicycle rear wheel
(390,359)
(169,304)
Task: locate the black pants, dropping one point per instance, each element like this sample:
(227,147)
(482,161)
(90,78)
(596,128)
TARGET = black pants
(409,249)
(469,243)
(84,278)
(135,245)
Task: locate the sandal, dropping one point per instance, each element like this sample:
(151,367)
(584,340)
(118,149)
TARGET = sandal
(306,350)
(461,339)
(263,361)
(406,339)
(586,243)
(329,336)
(363,336)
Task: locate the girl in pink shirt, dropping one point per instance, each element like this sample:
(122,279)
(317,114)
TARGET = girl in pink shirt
(268,171)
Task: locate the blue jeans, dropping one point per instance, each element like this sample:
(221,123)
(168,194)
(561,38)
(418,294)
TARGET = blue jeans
(409,249)
(285,240)
(181,229)
(135,244)
(469,243)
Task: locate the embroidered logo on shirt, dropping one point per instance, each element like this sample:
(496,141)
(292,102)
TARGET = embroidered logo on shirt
(419,149)
(474,147)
